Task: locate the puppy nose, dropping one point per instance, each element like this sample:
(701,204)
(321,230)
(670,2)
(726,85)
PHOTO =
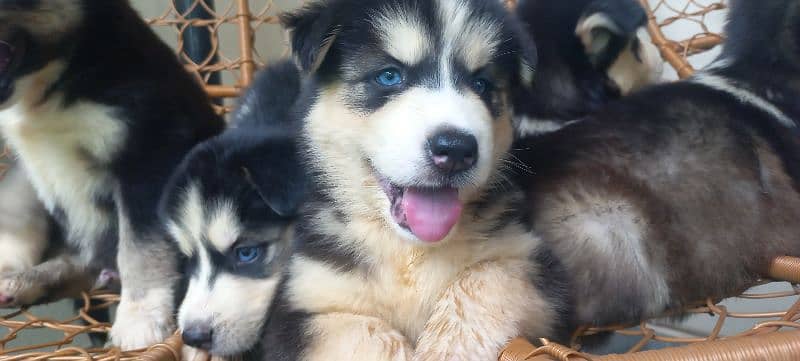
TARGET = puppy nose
(453,151)
(198,336)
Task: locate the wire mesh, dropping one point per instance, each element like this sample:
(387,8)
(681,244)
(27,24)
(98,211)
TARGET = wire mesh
(251,33)
(21,326)
(685,28)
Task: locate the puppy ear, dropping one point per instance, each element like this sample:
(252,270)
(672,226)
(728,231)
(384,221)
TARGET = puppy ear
(607,27)
(312,31)
(284,193)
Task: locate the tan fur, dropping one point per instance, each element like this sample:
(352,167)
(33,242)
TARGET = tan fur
(403,35)
(51,17)
(355,337)
(405,280)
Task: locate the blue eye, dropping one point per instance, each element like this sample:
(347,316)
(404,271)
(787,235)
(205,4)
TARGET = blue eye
(480,86)
(248,254)
(389,77)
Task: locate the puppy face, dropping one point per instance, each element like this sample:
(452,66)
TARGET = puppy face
(33,34)
(233,223)
(412,115)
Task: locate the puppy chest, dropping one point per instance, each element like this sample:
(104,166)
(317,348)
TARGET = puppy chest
(67,152)
(402,295)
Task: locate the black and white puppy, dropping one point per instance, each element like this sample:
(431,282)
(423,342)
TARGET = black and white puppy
(591,52)
(100,112)
(682,191)
(231,207)
(411,245)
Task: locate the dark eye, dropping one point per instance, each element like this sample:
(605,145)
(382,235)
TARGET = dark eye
(389,77)
(480,86)
(248,255)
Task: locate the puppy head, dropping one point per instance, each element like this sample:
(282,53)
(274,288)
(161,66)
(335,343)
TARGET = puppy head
(33,35)
(412,114)
(591,52)
(230,208)
(615,41)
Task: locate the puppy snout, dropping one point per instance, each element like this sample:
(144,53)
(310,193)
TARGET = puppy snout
(453,151)
(198,336)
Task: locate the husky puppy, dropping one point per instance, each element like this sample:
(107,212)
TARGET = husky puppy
(682,191)
(100,112)
(230,208)
(591,52)
(411,244)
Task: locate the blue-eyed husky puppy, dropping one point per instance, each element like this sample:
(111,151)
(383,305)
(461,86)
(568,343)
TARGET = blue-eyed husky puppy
(230,207)
(411,244)
(100,112)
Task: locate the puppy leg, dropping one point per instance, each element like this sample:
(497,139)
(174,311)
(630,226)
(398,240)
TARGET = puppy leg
(149,275)
(24,223)
(61,276)
(484,309)
(340,336)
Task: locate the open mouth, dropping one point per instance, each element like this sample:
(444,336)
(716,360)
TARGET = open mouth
(428,213)
(6,81)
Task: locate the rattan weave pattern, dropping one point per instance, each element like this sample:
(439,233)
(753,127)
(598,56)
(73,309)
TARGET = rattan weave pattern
(664,14)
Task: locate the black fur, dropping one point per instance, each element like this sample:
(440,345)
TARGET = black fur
(255,166)
(683,158)
(570,82)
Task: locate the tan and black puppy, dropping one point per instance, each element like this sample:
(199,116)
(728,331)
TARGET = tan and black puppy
(412,244)
(682,191)
(99,111)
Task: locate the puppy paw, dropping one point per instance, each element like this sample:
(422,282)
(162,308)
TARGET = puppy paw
(143,321)
(17,290)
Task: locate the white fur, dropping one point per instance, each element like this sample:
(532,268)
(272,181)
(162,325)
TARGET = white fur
(404,36)
(188,228)
(143,320)
(473,39)
(743,95)
(53,143)
(234,307)
(527,126)
(630,73)
(224,227)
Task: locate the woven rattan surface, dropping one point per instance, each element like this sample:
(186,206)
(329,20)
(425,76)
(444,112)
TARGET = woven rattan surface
(762,342)
(694,14)
(17,326)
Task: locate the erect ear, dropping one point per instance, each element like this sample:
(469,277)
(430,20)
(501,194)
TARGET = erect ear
(607,27)
(312,30)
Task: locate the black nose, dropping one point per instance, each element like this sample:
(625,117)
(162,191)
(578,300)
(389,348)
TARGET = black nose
(198,336)
(453,151)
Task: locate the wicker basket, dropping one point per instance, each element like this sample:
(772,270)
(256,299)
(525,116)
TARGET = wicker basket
(227,68)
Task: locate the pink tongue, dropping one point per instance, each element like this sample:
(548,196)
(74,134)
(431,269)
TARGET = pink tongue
(431,214)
